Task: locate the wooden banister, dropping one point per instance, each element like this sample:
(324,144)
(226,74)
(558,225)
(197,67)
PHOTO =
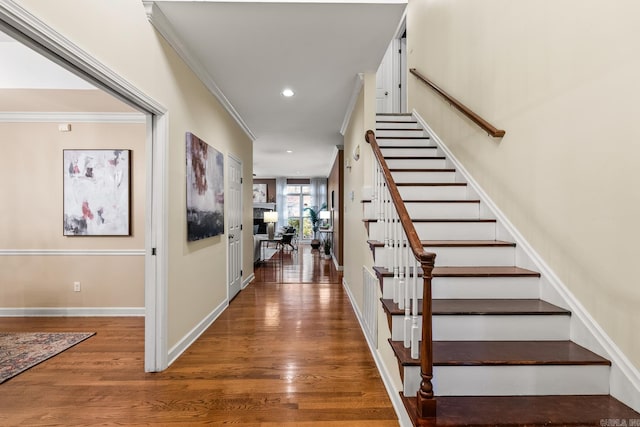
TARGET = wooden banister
(425,399)
(491,130)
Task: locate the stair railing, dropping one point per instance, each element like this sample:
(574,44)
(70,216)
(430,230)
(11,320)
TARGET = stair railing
(404,254)
(491,130)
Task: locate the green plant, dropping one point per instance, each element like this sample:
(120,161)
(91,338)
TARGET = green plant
(315,218)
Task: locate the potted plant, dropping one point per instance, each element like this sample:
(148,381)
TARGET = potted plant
(327,248)
(315,222)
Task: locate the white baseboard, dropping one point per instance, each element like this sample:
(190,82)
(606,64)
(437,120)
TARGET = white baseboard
(248,280)
(394,395)
(193,335)
(73,312)
(625,377)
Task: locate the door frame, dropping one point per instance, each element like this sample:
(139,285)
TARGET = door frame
(29,30)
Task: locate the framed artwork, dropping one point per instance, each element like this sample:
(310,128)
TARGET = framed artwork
(205,189)
(96,192)
(259,193)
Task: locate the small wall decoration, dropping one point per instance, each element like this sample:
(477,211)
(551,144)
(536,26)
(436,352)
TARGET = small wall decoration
(205,189)
(259,193)
(96,192)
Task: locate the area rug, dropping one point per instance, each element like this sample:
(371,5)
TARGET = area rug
(20,351)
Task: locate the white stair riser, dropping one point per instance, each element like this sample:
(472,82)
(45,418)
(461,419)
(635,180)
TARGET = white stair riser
(474,256)
(442,210)
(411,152)
(416,163)
(491,327)
(401,133)
(423,177)
(392,124)
(437,192)
(395,117)
(532,380)
(474,287)
(455,230)
(391,142)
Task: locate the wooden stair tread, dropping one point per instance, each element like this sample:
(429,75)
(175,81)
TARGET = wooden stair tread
(397,121)
(422,170)
(401,137)
(521,411)
(432,201)
(465,220)
(491,271)
(411,147)
(482,307)
(452,243)
(502,353)
(414,158)
(431,184)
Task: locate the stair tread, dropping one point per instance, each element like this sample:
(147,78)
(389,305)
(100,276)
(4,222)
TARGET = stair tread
(442,220)
(520,411)
(452,243)
(402,137)
(410,147)
(397,121)
(432,201)
(431,184)
(415,158)
(482,307)
(491,271)
(422,170)
(503,353)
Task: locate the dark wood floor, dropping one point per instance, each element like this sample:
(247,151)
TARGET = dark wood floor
(287,352)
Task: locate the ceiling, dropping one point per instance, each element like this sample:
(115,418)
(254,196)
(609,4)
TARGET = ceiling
(247,52)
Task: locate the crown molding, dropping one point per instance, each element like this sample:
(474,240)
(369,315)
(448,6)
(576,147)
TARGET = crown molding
(58,117)
(352,102)
(164,27)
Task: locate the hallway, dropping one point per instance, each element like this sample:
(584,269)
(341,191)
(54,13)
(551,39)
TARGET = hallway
(282,354)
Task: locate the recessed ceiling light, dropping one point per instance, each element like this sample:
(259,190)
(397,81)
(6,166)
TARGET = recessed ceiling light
(287,93)
(289,151)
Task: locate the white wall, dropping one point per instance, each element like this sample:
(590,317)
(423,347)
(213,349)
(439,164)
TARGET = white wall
(562,79)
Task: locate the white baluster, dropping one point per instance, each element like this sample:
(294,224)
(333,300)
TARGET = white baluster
(399,264)
(415,332)
(407,295)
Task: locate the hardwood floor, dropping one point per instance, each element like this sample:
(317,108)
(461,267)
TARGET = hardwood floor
(287,352)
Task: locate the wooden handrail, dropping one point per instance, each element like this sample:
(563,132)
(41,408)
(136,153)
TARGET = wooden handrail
(491,130)
(426,403)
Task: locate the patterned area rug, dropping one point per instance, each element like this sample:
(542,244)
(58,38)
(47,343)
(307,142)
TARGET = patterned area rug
(20,351)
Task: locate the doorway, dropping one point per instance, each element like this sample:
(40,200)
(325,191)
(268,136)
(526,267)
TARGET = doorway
(20,25)
(234,211)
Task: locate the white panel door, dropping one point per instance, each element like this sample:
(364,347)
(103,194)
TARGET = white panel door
(234,223)
(384,83)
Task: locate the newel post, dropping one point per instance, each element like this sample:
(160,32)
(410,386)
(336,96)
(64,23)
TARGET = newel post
(425,398)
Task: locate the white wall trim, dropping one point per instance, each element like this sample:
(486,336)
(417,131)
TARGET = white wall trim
(195,333)
(73,312)
(357,87)
(163,26)
(394,395)
(626,386)
(72,252)
(248,280)
(56,117)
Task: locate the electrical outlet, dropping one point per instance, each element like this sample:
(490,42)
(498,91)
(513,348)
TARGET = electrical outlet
(76,286)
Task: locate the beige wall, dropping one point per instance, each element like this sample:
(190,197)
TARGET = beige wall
(118,34)
(31,169)
(562,79)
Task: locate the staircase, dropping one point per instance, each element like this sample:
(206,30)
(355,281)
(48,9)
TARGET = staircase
(501,355)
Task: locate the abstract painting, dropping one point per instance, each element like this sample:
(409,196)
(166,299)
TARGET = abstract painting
(96,192)
(205,189)
(259,193)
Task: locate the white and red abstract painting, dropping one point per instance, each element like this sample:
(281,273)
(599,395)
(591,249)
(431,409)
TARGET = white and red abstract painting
(96,192)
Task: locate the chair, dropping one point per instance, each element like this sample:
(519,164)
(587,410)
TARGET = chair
(289,238)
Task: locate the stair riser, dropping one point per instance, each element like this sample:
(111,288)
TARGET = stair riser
(443,230)
(444,192)
(475,287)
(511,380)
(403,125)
(416,163)
(395,117)
(423,177)
(401,133)
(411,152)
(391,142)
(433,210)
(491,327)
(482,256)
(455,230)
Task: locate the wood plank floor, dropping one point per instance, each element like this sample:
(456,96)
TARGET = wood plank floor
(287,352)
